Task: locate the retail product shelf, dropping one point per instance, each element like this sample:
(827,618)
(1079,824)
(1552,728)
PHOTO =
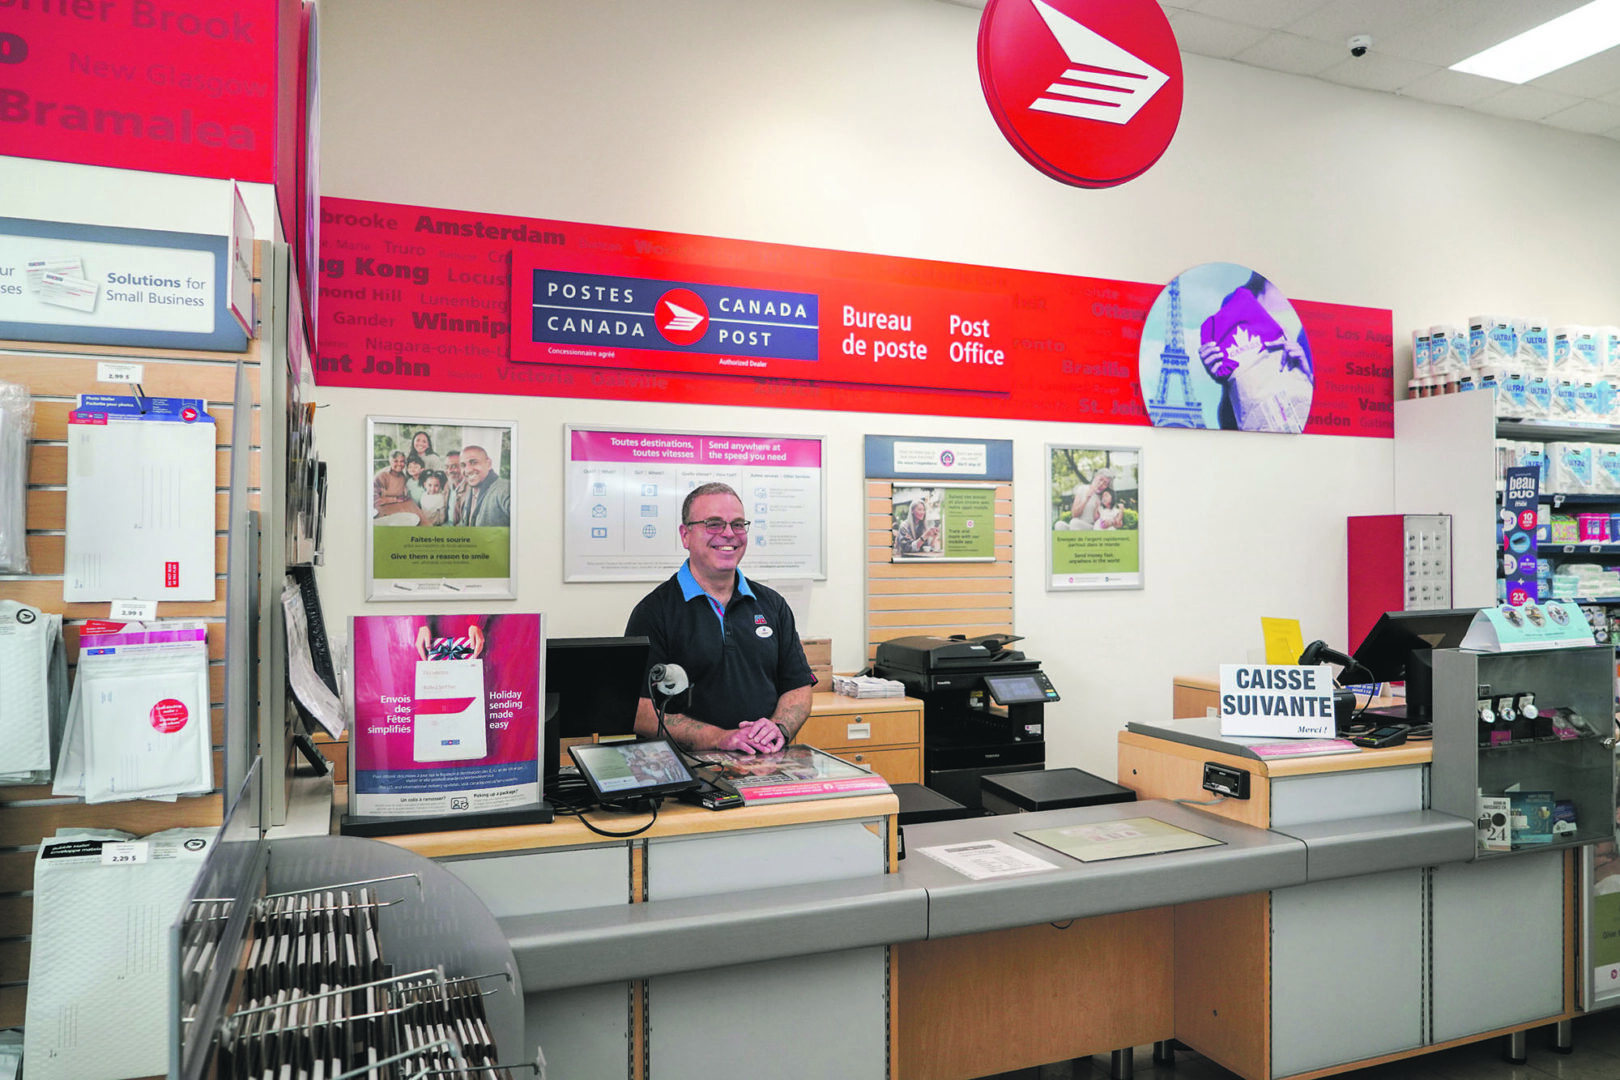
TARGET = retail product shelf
(1539,429)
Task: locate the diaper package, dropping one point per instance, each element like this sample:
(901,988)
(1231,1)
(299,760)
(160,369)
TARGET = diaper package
(1539,393)
(1513,395)
(1535,347)
(1609,340)
(1606,470)
(1493,342)
(1420,355)
(1564,406)
(1448,351)
(1569,468)
(1579,352)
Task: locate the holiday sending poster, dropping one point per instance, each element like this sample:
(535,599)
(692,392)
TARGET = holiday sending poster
(448,711)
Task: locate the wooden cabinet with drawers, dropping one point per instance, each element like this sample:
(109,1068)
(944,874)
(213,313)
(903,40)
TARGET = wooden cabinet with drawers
(884,734)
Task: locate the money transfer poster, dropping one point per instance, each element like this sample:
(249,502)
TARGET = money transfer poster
(625,490)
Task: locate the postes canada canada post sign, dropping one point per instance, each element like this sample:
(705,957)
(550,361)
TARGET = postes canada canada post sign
(1088,91)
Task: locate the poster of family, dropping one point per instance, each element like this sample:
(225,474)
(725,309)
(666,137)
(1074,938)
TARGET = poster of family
(1095,500)
(443,512)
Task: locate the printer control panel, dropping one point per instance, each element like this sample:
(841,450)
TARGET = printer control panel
(1023,688)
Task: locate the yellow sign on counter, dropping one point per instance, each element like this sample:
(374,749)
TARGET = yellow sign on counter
(1284,642)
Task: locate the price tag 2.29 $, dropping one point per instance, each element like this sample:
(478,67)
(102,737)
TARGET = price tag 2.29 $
(127,853)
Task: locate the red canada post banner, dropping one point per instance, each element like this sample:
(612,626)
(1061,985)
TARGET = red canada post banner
(423,298)
(173,86)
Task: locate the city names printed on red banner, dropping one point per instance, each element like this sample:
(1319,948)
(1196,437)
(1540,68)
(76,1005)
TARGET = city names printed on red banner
(171,86)
(424,298)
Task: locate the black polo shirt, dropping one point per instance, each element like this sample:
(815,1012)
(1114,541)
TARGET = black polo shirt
(740,662)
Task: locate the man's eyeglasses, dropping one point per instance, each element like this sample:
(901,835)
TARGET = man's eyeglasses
(717,525)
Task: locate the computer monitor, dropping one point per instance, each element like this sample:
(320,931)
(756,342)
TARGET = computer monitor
(1399,647)
(593,685)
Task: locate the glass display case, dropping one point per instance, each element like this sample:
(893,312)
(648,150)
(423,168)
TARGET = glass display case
(1523,746)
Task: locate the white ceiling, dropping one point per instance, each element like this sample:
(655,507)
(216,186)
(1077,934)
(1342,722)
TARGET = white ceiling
(1414,43)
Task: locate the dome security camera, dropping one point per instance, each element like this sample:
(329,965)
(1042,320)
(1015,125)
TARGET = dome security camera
(1359,44)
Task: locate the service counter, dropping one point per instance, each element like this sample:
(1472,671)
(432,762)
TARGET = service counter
(644,956)
(637,954)
(1394,944)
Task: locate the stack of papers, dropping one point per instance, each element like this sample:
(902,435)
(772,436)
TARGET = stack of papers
(867,686)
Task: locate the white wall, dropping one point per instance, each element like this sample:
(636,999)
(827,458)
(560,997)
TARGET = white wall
(859,125)
(130,199)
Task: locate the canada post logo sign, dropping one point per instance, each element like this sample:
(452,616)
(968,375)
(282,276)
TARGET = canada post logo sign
(1088,91)
(675,316)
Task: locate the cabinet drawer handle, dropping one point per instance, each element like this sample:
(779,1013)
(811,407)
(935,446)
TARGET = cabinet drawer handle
(860,757)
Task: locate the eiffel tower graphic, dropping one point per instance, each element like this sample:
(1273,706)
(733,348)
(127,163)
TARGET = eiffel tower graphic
(1185,411)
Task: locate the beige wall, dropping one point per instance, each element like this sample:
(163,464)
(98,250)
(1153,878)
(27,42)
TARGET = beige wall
(859,125)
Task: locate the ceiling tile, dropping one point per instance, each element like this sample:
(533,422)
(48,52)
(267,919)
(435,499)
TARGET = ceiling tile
(1591,117)
(1198,33)
(1288,52)
(1462,29)
(1376,71)
(1592,77)
(1445,87)
(1334,23)
(1524,103)
(1266,14)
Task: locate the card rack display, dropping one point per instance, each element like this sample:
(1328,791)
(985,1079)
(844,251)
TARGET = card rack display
(339,957)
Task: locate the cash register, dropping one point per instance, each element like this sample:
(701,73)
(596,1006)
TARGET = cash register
(983,707)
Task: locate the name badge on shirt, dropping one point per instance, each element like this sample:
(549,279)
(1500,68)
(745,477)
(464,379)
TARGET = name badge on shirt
(763,631)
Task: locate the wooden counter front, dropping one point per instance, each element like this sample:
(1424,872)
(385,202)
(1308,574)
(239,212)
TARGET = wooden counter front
(1161,769)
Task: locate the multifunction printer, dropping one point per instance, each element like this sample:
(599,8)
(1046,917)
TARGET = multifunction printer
(983,707)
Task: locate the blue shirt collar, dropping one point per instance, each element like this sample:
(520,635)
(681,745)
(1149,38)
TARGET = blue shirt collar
(691,590)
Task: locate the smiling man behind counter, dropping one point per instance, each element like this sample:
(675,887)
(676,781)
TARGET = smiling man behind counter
(735,638)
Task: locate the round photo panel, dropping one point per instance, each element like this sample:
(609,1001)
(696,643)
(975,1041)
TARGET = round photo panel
(1223,348)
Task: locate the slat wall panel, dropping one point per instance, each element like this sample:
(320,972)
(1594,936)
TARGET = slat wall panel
(13,1002)
(15,915)
(47,553)
(64,374)
(26,823)
(919,597)
(13,961)
(16,872)
(48,466)
(54,374)
(47,509)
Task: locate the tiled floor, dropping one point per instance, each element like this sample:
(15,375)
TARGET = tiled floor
(1596,1057)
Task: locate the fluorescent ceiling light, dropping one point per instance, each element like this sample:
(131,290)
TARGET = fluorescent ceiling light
(1575,35)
